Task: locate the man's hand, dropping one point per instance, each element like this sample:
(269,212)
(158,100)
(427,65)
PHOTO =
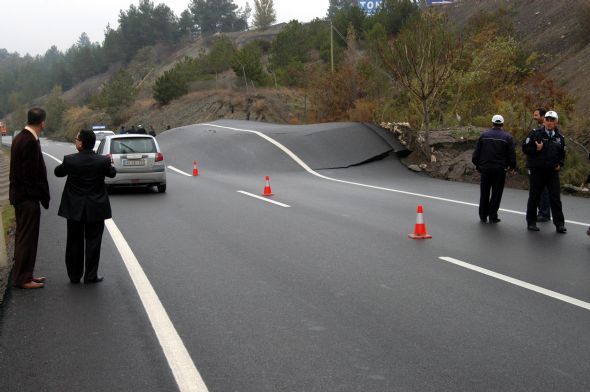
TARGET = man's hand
(557,168)
(539,145)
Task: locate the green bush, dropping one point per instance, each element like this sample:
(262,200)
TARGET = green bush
(170,86)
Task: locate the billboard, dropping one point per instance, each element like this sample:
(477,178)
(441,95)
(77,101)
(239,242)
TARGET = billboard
(370,7)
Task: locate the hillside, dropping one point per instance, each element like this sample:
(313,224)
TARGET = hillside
(546,26)
(549,27)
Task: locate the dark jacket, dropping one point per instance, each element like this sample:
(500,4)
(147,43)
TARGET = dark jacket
(85,195)
(28,175)
(552,153)
(494,150)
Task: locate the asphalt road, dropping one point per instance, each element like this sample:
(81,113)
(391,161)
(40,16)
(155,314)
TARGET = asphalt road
(327,294)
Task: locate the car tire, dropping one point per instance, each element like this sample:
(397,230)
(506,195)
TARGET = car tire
(162,188)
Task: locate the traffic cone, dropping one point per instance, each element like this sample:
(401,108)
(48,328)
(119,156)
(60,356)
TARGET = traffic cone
(195,170)
(420,227)
(267,190)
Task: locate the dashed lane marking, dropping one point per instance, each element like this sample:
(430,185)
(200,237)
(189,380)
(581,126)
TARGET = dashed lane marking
(520,283)
(264,199)
(178,171)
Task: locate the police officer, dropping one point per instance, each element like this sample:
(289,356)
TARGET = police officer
(545,151)
(494,154)
(544,214)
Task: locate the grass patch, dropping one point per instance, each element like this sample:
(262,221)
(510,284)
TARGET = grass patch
(8,219)
(468,133)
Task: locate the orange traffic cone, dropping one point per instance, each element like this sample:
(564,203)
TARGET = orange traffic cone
(420,227)
(195,170)
(267,190)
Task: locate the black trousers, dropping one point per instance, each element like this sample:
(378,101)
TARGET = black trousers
(491,180)
(539,179)
(83,249)
(545,204)
(28,218)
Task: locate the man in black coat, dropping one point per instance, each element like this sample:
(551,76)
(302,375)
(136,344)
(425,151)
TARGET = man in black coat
(85,204)
(494,155)
(28,187)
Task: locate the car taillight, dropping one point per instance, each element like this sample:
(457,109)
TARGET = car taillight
(159,157)
(110,156)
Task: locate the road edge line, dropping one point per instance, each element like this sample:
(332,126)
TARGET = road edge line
(183,368)
(186,375)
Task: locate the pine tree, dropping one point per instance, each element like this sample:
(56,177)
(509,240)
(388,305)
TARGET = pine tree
(264,14)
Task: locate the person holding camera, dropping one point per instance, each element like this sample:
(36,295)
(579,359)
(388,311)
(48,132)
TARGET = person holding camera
(544,148)
(544,214)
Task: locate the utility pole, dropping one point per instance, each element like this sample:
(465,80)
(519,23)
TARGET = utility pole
(332,45)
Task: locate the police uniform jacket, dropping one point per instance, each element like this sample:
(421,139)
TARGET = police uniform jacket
(494,150)
(552,153)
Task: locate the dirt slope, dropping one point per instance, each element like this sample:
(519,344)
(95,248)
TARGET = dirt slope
(549,27)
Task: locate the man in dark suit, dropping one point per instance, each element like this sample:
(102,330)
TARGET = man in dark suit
(28,187)
(85,204)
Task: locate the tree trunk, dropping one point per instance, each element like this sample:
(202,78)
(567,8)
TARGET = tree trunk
(426,128)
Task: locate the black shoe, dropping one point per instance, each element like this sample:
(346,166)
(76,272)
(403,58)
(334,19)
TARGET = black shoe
(541,218)
(98,279)
(484,220)
(533,227)
(495,220)
(561,229)
(74,281)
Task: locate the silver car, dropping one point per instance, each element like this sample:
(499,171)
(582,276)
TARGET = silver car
(138,160)
(100,135)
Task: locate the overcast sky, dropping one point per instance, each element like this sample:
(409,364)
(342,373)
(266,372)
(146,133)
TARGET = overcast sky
(33,26)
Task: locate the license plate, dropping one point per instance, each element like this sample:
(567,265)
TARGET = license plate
(133,162)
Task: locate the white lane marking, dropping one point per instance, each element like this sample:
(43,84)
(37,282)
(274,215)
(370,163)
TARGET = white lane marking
(183,368)
(178,171)
(52,157)
(313,172)
(520,283)
(264,199)
(185,373)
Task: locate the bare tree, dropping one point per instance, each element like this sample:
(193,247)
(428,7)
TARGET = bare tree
(264,14)
(421,59)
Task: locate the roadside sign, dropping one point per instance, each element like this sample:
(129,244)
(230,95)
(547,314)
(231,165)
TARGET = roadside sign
(370,7)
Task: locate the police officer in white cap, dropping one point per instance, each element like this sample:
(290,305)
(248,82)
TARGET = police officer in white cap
(545,152)
(494,155)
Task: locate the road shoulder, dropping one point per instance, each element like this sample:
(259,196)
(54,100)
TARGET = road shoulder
(5,249)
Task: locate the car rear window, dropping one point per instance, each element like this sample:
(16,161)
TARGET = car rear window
(132,145)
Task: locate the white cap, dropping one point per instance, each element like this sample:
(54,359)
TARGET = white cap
(551,114)
(498,119)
